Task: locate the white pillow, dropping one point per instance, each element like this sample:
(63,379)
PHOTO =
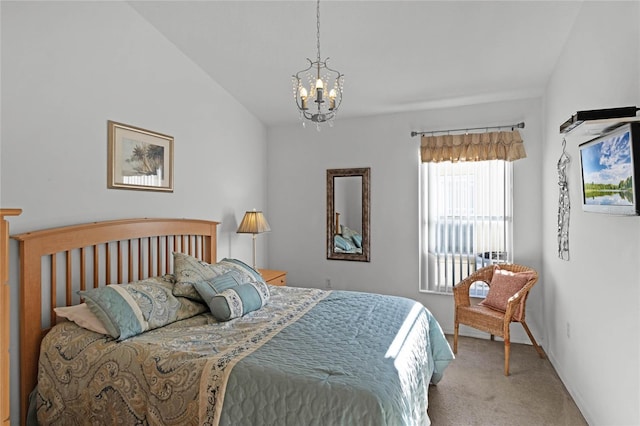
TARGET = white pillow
(82,315)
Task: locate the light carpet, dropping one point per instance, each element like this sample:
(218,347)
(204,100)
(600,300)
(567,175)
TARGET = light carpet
(475,391)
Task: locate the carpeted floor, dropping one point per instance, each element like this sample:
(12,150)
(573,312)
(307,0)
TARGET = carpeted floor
(475,391)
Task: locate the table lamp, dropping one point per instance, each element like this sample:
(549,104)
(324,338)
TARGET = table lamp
(254,223)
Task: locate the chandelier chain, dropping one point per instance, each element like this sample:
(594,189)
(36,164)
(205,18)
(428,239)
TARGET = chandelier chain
(318,27)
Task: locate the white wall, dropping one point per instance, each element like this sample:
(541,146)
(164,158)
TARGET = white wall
(596,293)
(69,67)
(299,157)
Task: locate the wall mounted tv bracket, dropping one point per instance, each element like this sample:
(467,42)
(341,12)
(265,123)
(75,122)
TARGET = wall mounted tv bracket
(606,119)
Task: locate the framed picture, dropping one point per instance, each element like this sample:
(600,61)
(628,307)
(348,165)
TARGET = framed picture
(139,159)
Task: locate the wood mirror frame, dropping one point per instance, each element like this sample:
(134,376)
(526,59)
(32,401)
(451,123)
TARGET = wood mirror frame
(333,225)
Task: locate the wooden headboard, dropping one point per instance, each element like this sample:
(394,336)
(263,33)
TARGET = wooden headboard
(56,263)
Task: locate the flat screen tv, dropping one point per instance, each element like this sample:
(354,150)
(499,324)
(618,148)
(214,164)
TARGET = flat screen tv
(610,167)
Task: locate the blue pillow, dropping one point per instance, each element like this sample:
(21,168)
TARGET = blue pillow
(235,301)
(188,270)
(351,235)
(209,288)
(126,310)
(342,243)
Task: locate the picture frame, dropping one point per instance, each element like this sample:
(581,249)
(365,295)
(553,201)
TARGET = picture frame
(139,159)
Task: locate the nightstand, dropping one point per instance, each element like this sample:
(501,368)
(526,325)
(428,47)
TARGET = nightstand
(274,277)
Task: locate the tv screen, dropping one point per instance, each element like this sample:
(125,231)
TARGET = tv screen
(610,168)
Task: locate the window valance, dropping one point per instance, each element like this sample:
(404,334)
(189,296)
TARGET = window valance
(506,146)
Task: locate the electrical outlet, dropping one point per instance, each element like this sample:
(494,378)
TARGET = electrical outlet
(568,330)
(327,283)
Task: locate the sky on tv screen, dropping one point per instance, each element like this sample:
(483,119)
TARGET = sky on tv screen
(608,161)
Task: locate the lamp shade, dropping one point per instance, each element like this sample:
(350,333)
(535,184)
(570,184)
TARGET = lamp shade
(253,222)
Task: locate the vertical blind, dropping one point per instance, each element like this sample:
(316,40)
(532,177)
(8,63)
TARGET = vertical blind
(468,222)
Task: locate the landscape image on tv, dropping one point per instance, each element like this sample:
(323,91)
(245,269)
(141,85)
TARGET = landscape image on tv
(607,170)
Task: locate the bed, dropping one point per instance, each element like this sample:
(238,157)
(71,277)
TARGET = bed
(303,356)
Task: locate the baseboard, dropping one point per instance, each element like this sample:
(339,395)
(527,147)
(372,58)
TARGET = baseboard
(582,406)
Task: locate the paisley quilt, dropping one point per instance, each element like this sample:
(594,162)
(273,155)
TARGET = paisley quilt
(307,357)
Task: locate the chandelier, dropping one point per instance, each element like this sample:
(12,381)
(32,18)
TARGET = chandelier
(320,102)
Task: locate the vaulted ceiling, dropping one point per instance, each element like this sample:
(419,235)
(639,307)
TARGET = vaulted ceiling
(396,55)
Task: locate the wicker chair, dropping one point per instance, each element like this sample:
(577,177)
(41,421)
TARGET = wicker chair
(489,320)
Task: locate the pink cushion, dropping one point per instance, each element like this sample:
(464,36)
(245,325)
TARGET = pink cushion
(82,315)
(505,284)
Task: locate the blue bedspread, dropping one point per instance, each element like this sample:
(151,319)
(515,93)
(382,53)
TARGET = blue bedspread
(355,358)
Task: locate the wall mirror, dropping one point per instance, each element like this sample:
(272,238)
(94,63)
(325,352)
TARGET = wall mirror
(348,214)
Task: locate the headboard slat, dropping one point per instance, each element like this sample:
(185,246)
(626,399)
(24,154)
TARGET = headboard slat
(53,288)
(119,260)
(107,263)
(83,269)
(130,261)
(140,258)
(158,257)
(69,277)
(167,254)
(71,240)
(149,257)
(96,270)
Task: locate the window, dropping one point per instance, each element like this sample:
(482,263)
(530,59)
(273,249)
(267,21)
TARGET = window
(466,221)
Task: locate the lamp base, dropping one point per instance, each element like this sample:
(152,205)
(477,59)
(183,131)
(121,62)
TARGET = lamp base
(254,252)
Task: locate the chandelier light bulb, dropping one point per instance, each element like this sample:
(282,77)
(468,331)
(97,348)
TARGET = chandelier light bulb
(303,98)
(332,99)
(319,90)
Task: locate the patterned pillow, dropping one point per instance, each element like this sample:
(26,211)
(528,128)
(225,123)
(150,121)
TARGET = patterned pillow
(235,301)
(243,268)
(188,270)
(505,284)
(126,310)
